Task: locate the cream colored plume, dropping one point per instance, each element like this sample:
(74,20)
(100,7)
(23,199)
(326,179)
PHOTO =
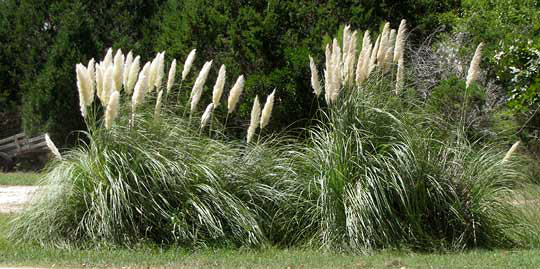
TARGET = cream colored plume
(108,85)
(399,46)
(346,41)
(362,69)
(474,69)
(100,74)
(327,74)
(198,86)
(160,70)
(52,147)
(400,76)
(112,109)
(383,43)
(157,109)
(336,71)
(234,94)
(107,61)
(373,58)
(134,69)
(140,88)
(188,63)
(127,69)
(315,83)
(387,59)
(511,151)
(206,115)
(152,73)
(255,116)
(267,110)
(172,74)
(118,70)
(350,60)
(84,87)
(218,87)
(92,76)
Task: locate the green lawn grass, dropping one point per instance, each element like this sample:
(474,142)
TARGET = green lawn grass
(33,255)
(19,178)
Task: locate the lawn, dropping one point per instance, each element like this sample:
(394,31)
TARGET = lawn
(19,178)
(33,255)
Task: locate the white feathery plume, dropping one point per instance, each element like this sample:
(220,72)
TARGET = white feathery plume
(198,86)
(327,74)
(392,39)
(381,52)
(373,58)
(100,74)
(267,110)
(134,69)
(188,63)
(255,116)
(152,73)
(336,71)
(127,69)
(84,87)
(172,74)
(112,109)
(350,60)
(157,109)
(118,70)
(108,85)
(474,68)
(218,87)
(346,41)
(363,65)
(315,83)
(140,88)
(387,59)
(107,61)
(52,147)
(400,76)
(206,115)
(510,152)
(160,70)
(234,94)
(399,47)
(92,76)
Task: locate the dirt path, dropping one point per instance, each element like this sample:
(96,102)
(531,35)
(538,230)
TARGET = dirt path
(13,198)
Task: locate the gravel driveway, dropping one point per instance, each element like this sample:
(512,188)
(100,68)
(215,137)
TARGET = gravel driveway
(13,198)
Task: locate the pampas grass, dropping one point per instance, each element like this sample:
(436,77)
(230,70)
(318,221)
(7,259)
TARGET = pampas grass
(197,90)
(140,89)
(157,109)
(399,46)
(172,74)
(127,68)
(315,83)
(112,109)
(511,151)
(206,115)
(160,70)
(187,65)
(254,121)
(267,110)
(234,94)
(118,70)
(474,68)
(400,76)
(133,73)
(218,87)
(84,85)
(108,85)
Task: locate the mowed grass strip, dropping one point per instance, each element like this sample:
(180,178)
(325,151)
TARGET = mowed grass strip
(20,178)
(151,255)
